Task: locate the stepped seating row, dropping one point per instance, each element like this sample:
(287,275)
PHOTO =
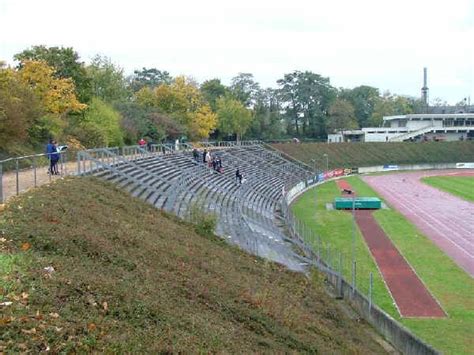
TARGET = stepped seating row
(246,213)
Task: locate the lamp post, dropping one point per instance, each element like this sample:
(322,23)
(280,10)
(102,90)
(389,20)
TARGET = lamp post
(316,179)
(353,228)
(327,161)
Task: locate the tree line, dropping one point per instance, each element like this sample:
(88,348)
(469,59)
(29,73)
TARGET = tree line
(51,93)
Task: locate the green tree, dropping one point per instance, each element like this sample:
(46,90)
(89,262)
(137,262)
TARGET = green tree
(107,80)
(213,90)
(363,98)
(234,118)
(341,116)
(101,125)
(266,123)
(243,88)
(19,108)
(150,78)
(66,64)
(306,98)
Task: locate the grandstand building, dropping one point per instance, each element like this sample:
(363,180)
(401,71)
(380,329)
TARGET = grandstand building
(413,127)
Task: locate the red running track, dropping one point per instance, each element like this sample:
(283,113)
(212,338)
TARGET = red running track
(446,219)
(409,293)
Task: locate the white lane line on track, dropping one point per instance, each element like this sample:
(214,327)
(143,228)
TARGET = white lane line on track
(448,230)
(442,231)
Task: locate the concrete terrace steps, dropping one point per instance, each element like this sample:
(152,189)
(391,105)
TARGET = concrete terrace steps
(246,213)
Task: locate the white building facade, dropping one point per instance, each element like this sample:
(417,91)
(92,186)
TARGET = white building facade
(414,127)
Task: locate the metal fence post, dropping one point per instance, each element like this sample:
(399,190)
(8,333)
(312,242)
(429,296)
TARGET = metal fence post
(17,177)
(370,291)
(341,293)
(1,182)
(329,255)
(319,249)
(65,163)
(34,168)
(354,272)
(61,158)
(78,163)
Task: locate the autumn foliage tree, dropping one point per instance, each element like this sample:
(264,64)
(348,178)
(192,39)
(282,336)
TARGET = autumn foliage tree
(19,107)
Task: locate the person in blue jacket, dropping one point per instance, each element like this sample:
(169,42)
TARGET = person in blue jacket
(53,156)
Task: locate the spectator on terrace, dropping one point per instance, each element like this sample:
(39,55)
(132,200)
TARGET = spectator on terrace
(195,155)
(142,143)
(204,156)
(238,176)
(209,159)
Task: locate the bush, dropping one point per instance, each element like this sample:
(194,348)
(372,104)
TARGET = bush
(204,222)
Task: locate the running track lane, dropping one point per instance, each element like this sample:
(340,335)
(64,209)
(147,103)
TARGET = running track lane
(409,293)
(446,219)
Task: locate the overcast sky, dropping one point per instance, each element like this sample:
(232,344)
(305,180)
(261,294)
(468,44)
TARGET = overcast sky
(380,43)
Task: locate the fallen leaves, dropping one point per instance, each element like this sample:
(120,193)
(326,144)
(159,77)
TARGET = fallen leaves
(25,246)
(30,331)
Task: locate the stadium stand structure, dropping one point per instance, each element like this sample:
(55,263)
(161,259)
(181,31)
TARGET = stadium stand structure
(249,214)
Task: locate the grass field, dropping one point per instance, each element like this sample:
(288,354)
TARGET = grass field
(461,186)
(125,278)
(349,155)
(452,287)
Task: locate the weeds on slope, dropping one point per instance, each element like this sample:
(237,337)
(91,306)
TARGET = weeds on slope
(87,268)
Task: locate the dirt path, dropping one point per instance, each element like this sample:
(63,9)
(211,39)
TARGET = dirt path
(409,293)
(446,219)
(26,178)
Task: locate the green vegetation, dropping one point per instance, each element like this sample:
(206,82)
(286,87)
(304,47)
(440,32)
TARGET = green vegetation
(461,186)
(348,155)
(87,268)
(51,93)
(449,284)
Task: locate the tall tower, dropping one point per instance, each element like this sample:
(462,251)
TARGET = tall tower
(424,89)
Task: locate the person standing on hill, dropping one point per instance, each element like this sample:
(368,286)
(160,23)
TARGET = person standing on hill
(53,156)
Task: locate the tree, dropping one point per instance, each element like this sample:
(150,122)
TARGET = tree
(203,122)
(66,64)
(243,88)
(212,90)
(341,116)
(100,125)
(266,123)
(19,107)
(57,95)
(182,102)
(306,98)
(234,118)
(389,105)
(107,80)
(363,98)
(150,78)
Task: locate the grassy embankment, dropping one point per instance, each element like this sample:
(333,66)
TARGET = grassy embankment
(128,278)
(451,286)
(461,186)
(348,155)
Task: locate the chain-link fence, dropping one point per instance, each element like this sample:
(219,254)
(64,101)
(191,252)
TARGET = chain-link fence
(342,272)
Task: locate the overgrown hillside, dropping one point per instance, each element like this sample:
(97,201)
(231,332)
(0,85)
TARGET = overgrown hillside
(85,267)
(369,154)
